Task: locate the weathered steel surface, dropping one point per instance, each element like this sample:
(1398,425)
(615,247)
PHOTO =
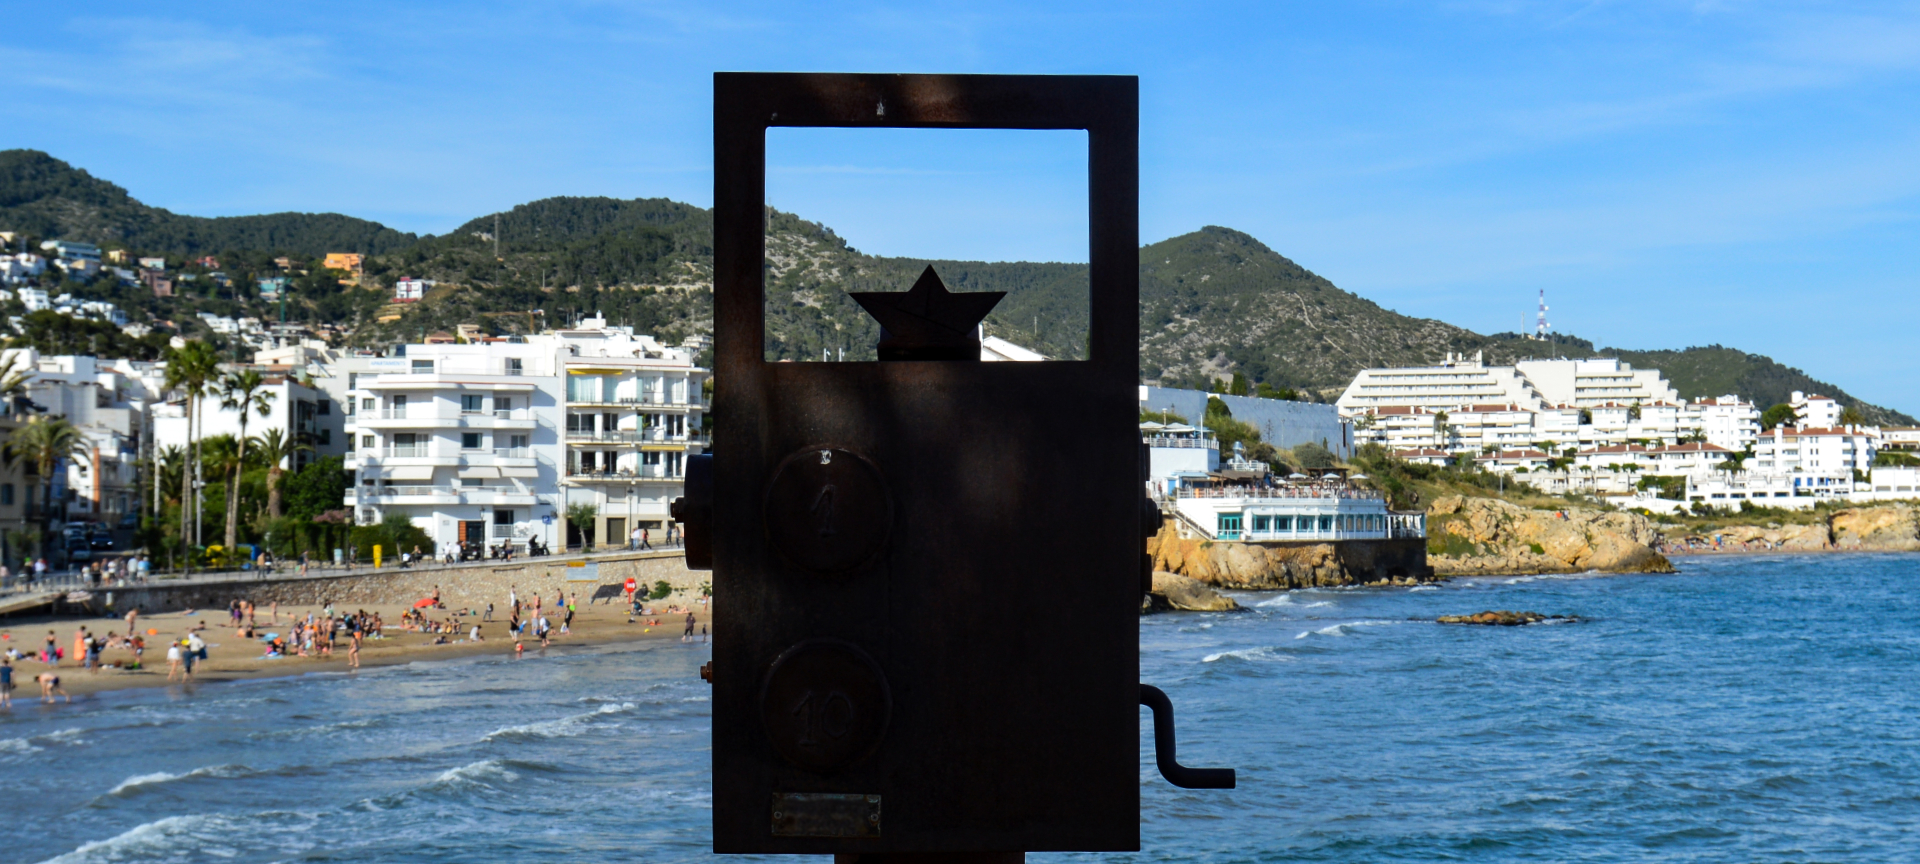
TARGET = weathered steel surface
(974,530)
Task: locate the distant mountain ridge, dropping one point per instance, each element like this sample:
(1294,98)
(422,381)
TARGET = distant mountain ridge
(1212,302)
(46,197)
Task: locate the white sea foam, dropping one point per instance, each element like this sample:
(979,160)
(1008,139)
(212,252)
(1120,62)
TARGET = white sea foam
(563,727)
(1288,601)
(1425,588)
(195,837)
(490,772)
(1251,655)
(1344,629)
(137,782)
(17,745)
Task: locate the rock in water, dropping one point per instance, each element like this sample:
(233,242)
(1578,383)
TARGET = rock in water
(1191,595)
(1497,537)
(1503,618)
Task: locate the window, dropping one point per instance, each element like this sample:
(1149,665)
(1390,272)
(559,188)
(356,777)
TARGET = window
(366,442)
(503,517)
(423,365)
(503,403)
(579,422)
(519,441)
(1262,524)
(674,461)
(472,403)
(1283,523)
(583,388)
(469,440)
(472,482)
(6,494)
(1229,526)
(1326,523)
(513,366)
(326,437)
(367,403)
(326,407)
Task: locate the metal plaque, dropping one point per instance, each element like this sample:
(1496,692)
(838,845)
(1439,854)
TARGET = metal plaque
(825,814)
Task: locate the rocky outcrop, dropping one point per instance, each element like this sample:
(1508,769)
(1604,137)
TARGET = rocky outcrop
(1503,618)
(1277,566)
(1174,591)
(1796,538)
(1485,536)
(1884,528)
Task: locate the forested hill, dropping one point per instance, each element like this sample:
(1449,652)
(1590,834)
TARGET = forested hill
(45,197)
(1212,302)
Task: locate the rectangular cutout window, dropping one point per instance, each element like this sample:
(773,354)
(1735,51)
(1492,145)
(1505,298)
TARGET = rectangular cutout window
(869,210)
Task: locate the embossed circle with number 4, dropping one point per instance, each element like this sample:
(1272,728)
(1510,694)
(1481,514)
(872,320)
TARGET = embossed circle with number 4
(828,510)
(825,705)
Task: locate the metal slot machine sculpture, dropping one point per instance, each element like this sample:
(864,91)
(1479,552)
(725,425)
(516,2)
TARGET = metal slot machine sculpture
(930,567)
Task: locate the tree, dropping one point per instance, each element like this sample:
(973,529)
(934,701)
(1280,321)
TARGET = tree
(242,390)
(1850,416)
(189,370)
(275,448)
(317,489)
(581,516)
(42,442)
(15,377)
(1778,415)
(1311,455)
(1238,387)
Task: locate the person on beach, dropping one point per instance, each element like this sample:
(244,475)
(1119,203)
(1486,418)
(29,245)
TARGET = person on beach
(688,635)
(544,630)
(6,683)
(133,619)
(633,539)
(475,636)
(305,560)
(93,654)
(276,613)
(489,615)
(353,650)
(80,644)
(173,660)
(49,685)
(196,651)
(519,650)
(436,598)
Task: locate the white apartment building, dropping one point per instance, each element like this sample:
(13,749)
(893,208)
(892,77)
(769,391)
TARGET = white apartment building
(1544,403)
(634,410)
(1595,381)
(463,439)
(1815,410)
(300,412)
(1827,454)
(111,404)
(488,443)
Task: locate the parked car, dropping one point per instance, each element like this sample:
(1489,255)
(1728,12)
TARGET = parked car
(79,551)
(100,537)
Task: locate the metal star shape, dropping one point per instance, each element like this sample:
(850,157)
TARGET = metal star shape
(928,322)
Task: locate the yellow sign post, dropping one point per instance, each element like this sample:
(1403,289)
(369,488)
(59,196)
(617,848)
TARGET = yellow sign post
(376,556)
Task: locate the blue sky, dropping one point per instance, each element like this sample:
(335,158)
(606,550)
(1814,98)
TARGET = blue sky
(1673,174)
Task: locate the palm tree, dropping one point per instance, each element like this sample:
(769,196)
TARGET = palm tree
(244,390)
(221,454)
(42,442)
(275,447)
(189,370)
(14,378)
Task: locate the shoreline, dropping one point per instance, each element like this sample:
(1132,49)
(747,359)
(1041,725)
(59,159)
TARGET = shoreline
(234,658)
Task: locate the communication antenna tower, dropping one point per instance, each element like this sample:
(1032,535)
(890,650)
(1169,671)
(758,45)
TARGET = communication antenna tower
(496,240)
(1540,326)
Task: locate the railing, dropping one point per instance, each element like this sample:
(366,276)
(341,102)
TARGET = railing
(405,450)
(500,532)
(422,413)
(648,399)
(643,474)
(617,436)
(1182,443)
(395,491)
(1279,492)
(513,452)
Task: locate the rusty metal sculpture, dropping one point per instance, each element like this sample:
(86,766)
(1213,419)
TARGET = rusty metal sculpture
(929,567)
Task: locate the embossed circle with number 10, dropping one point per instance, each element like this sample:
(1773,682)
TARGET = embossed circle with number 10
(825,705)
(828,510)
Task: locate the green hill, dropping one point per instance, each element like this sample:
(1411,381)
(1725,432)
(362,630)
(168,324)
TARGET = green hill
(46,198)
(1212,302)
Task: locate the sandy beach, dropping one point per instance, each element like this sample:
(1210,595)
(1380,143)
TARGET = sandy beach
(232,657)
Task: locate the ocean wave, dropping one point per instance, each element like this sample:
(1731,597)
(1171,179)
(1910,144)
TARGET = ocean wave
(135,783)
(1286,599)
(563,727)
(36,743)
(1345,629)
(322,729)
(1250,655)
(1424,588)
(194,837)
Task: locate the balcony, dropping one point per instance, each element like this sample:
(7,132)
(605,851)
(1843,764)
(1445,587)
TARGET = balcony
(649,473)
(426,416)
(617,436)
(648,400)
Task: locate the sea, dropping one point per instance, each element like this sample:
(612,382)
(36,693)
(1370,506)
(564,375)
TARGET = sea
(1745,709)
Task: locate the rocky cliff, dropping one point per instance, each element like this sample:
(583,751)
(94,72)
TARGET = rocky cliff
(1275,566)
(1880,528)
(1484,536)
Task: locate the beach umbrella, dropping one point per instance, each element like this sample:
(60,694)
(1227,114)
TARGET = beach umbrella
(423,603)
(1358,477)
(1296,476)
